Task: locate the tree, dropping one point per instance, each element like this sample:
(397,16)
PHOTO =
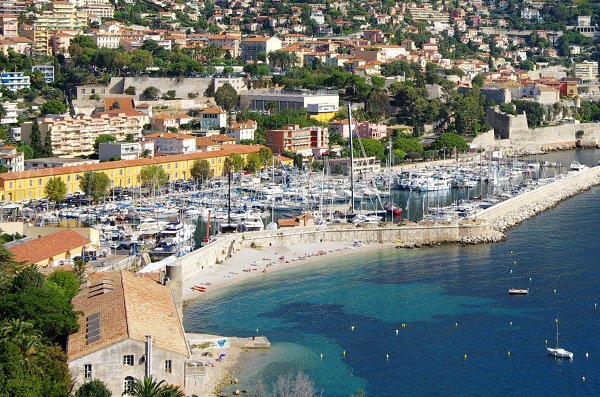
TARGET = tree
(129,137)
(236,162)
(270,106)
(79,269)
(47,151)
(27,151)
(53,106)
(115,105)
(226,97)
(373,147)
(56,190)
(65,282)
(265,154)
(38,81)
(146,153)
(377,104)
(170,94)
(201,170)
(3,111)
(94,388)
(150,387)
(95,184)
(153,177)
(449,141)
(104,138)
(129,90)
(151,93)
(36,139)
(253,162)
(535,112)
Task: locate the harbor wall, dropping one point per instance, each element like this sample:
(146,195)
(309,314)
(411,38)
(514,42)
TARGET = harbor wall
(409,235)
(519,208)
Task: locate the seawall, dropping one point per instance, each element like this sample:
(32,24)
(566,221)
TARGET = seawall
(517,209)
(408,235)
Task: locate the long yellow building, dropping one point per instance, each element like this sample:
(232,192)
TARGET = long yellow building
(28,185)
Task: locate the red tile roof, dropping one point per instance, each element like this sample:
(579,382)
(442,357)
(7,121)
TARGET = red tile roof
(48,246)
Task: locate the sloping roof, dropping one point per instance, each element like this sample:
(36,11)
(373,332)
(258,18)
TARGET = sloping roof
(212,110)
(231,149)
(170,135)
(124,102)
(221,138)
(48,246)
(205,142)
(129,307)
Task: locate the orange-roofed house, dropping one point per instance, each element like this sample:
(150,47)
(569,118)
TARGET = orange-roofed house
(48,252)
(172,143)
(129,327)
(213,118)
(242,131)
(252,47)
(10,158)
(161,122)
(111,103)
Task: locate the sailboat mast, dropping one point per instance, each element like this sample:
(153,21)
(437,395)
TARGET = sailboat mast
(557,331)
(351,159)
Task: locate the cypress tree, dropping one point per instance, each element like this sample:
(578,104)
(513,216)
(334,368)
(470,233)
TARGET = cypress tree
(48,144)
(36,140)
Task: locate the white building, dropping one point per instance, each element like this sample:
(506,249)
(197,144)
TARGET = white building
(237,83)
(242,131)
(11,113)
(12,159)
(320,103)
(318,17)
(108,35)
(125,150)
(586,70)
(55,162)
(172,143)
(213,118)
(129,328)
(46,70)
(14,81)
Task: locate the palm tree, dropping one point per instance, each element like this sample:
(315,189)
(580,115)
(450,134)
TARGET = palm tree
(28,339)
(150,387)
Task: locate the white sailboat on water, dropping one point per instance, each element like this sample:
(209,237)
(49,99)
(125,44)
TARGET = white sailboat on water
(558,351)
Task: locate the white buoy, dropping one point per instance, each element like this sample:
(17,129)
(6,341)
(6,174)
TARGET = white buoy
(511,271)
(321,356)
(387,357)
(456,324)
(583,378)
(396,332)
(257,330)
(555,291)
(587,355)
(511,323)
(352,328)
(511,251)
(529,279)
(595,306)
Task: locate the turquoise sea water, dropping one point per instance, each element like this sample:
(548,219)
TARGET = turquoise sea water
(453,301)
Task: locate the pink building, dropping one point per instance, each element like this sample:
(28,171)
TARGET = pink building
(364,129)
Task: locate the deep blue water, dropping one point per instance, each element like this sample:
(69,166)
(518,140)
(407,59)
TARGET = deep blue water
(453,301)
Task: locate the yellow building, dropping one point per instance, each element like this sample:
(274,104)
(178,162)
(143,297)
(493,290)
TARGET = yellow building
(27,185)
(61,15)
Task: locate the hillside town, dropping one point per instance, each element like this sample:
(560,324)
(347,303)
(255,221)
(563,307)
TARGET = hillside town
(134,132)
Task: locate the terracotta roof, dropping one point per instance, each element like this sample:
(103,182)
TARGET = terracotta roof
(213,110)
(130,306)
(257,39)
(48,246)
(165,116)
(221,138)
(120,112)
(170,135)
(124,102)
(205,142)
(231,149)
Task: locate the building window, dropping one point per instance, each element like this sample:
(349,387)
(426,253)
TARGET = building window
(168,366)
(128,359)
(128,385)
(39,181)
(30,182)
(87,372)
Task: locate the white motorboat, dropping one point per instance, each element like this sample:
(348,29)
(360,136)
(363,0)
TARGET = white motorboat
(559,352)
(577,166)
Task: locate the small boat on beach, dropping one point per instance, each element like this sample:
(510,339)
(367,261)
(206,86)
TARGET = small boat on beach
(517,291)
(199,288)
(559,352)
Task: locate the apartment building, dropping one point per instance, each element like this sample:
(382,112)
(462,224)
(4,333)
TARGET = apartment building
(11,159)
(61,15)
(14,81)
(108,35)
(292,138)
(252,47)
(27,185)
(586,70)
(75,136)
(11,113)
(228,43)
(100,10)
(160,122)
(46,70)
(9,25)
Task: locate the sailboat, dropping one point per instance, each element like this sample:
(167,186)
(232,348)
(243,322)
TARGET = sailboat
(557,351)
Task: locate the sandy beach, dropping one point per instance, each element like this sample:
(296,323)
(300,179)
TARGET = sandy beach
(249,263)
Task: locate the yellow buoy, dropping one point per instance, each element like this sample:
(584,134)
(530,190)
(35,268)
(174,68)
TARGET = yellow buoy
(344,353)
(509,353)
(465,356)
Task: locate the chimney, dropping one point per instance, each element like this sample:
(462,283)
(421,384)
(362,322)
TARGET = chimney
(148,362)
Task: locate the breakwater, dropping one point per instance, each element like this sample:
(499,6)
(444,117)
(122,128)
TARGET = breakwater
(517,209)
(406,235)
